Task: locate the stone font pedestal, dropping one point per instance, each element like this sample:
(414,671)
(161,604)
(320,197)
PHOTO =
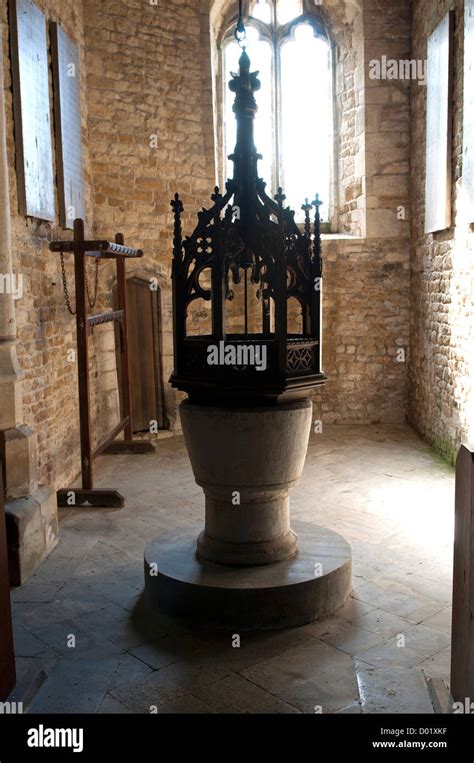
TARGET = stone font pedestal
(248,568)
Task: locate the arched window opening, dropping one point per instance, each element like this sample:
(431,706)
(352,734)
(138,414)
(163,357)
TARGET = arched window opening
(290,48)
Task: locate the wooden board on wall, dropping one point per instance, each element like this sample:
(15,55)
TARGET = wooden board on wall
(468,122)
(143,315)
(439,127)
(67,121)
(30,79)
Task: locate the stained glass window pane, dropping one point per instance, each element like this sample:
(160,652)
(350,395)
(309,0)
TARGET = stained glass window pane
(306,119)
(287,10)
(262,10)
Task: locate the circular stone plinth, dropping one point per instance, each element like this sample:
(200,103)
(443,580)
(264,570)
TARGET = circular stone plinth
(309,586)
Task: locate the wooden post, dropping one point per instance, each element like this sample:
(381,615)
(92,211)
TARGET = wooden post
(462,643)
(7,657)
(87,494)
(83,356)
(125,368)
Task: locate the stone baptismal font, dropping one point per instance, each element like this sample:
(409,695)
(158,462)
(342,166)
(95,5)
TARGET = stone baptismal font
(248,416)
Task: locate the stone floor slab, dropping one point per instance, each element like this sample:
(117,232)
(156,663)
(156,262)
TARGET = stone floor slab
(383,623)
(164,686)
(235,694)
(381,485)
(396,690)
(75,686)
(309,677)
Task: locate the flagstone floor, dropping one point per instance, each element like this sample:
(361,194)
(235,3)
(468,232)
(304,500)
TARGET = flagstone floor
(82,627)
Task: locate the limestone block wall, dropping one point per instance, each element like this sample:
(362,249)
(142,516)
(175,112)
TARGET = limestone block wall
(151,131)
(442,326)
(45,330)
(366,277)
(345,24)
(365,332)
(386,193)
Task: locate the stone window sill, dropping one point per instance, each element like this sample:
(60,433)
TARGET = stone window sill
(340,237)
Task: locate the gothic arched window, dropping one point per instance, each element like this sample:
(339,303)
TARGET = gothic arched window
(290,48)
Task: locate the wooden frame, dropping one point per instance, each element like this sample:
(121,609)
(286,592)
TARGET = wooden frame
(31,108)
(468,121)
(67,121)
(7,657)
(84,323)
(462,641)
(439,121)
(155,328)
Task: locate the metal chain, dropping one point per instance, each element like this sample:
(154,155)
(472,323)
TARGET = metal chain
(67,297)
(65,288)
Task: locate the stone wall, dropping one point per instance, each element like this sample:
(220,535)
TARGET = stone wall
(387,33)
(366,277)
(147,132)
(442,325)
(344,22)
(151,132)
(365,332)
(45,330)
(366,280)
